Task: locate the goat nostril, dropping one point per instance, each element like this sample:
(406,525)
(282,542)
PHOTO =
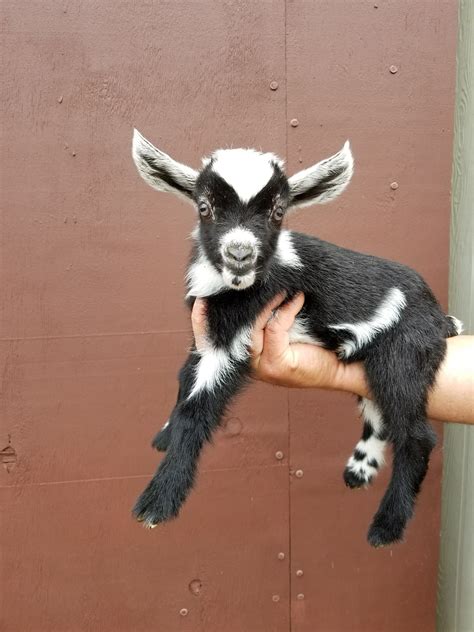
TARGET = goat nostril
(239,252)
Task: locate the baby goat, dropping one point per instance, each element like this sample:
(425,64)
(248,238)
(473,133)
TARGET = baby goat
(362,307)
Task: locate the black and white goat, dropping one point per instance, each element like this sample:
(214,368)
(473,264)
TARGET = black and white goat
(362,307)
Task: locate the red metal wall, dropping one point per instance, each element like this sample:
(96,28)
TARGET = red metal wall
(94,331)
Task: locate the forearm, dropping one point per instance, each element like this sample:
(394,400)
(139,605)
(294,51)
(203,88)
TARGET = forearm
(452,396)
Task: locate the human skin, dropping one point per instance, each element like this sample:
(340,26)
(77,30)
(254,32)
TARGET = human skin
(296,365)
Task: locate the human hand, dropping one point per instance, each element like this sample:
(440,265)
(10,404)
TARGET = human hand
(273,358)
(276,360)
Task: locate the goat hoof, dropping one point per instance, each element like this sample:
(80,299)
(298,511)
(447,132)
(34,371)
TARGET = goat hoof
(356,479)
(160,502)
(384,531)
(162,439)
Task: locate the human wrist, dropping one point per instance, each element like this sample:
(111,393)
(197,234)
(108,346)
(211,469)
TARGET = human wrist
(351,379)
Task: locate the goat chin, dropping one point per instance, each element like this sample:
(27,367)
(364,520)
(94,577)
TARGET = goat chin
(238,282)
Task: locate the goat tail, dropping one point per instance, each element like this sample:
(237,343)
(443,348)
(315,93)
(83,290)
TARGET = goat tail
(454,326)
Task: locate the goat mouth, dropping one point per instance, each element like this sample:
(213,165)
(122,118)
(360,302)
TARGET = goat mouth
(239,269)
(239,281)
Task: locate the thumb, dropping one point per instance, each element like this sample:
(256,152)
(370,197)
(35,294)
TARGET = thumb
(277,339)
(199,322)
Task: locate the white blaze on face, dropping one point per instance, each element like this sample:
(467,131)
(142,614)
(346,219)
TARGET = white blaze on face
(247,171)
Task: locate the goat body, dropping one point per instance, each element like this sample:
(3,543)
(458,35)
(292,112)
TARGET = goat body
(362,307)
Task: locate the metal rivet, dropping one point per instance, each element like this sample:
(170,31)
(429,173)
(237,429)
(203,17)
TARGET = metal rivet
(299,573)
(279,455)
(183,612)
(299,473)
(195,586)
(376,6)
(60,99)
(300,596)
(394,186)
(274,85)
(294,122)
(393,69)
(276,598)
(281,556)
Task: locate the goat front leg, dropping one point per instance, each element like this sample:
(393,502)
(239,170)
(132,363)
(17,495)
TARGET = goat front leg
(162,439)
(217,378)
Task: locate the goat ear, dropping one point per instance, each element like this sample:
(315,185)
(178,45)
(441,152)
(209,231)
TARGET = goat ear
(160,171)
(323,181)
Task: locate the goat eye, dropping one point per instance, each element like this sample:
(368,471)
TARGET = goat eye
(204,210)
(277,214)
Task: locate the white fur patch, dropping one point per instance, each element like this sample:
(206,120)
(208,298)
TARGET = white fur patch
(341,163)
(241,282)
(386,315)
(214,364)
(240,236)
(286,251)
(241,344)
(299,332)
(458,325)
(370,413)
(203,279)
(373,447)
(246,170)
(166,424)
(212,368)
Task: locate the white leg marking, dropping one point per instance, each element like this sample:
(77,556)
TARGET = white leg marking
(370,413)
(286,252)
(386,315)
(458,325)
(215,364)
(212,368)
(299,332)
(365,469)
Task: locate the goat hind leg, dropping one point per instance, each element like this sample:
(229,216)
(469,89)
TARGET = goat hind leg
(368,455)
(399,377)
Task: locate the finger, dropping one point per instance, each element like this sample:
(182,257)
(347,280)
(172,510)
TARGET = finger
(268,310)
(199,321)
(286,314)
(260,323)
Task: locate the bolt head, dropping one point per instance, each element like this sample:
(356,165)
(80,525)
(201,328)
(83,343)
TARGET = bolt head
(276,598)
(294,122)
(394,186)
(183,612)
(299,573)
(300,596)
(393,69)
(281,555)
(274,85)
(279,455)
(299,473)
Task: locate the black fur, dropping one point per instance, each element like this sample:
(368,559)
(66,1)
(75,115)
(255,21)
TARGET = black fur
(340,286)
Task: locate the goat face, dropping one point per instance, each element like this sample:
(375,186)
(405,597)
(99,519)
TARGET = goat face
(242,196)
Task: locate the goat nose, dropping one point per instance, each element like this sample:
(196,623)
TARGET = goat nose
(239,252)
